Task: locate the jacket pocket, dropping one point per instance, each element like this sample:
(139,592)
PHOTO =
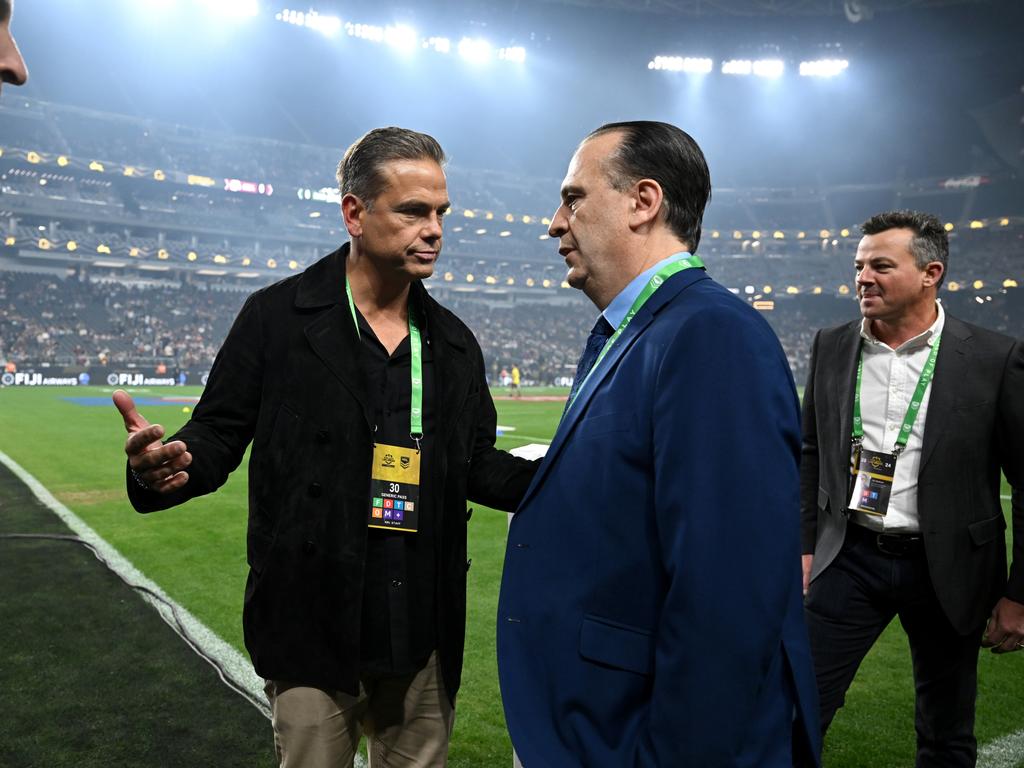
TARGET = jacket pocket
(983,531)
(617,645)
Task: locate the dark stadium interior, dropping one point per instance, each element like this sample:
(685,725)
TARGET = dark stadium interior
(117,201)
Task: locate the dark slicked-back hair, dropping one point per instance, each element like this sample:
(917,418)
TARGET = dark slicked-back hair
(669,156)
(360,171)
(929,243)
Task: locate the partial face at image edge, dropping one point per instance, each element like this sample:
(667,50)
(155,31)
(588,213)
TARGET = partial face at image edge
(12,65)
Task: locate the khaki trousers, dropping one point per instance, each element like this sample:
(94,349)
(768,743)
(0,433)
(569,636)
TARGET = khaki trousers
(407,721)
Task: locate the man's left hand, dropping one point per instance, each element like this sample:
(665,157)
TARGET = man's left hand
(1005,629)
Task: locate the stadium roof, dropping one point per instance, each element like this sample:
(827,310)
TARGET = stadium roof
(762,7)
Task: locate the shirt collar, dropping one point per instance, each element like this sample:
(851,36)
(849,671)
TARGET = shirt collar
(927,336)
(619,306)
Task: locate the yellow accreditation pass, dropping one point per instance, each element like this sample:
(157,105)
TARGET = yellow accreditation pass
(395,488)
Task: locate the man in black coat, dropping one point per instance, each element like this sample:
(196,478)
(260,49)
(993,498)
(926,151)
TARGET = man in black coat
(909,416)
(371,423)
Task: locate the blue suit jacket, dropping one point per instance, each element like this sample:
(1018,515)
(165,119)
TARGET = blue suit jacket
(651,608)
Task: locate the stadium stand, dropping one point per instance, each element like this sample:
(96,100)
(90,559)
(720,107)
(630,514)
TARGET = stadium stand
(130,242)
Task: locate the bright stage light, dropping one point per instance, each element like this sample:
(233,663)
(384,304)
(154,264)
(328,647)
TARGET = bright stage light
(769,67)
(369,32)
(737,67)
(475,50)
(823,67)
(515,54)
(689,64)
(328,25)
(402,38)
(439,44)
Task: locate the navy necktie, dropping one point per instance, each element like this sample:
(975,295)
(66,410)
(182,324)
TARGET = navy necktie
(595,343)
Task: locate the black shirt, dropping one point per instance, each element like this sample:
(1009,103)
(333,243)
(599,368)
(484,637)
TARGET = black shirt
(398,619)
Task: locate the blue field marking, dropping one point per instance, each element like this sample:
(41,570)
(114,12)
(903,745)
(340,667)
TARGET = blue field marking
(148,402)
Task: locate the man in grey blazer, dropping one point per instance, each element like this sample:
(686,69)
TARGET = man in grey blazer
(908,417)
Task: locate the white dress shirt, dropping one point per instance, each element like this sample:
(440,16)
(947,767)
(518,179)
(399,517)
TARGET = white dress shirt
(889,379)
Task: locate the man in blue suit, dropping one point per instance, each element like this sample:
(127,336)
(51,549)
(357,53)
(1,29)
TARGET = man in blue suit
(650,610)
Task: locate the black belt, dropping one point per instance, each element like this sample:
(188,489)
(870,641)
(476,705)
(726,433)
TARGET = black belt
(891,544)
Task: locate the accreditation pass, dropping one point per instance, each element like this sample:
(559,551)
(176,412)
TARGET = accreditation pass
(395,488)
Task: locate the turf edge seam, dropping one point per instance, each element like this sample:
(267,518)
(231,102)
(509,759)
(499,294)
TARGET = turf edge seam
(236,666)
(206,642)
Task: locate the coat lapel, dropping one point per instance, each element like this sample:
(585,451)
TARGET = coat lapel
(672,287)
(332,334)
(333,338)
(847,355)
(951,367)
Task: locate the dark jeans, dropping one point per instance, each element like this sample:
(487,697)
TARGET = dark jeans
(848,606)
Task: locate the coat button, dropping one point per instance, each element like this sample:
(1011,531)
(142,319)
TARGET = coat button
(323,436)
(314,490)
(308,547)
(396,583)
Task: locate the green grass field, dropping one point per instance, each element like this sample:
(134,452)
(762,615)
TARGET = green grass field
(197,554)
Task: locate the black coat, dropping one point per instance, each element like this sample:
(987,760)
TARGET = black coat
(287,378)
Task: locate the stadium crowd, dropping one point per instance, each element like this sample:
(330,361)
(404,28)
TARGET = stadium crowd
(49,319)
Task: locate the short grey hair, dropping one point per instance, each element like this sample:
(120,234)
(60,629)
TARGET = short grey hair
(360,171)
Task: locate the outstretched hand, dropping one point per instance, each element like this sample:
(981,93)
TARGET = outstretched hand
(159,467)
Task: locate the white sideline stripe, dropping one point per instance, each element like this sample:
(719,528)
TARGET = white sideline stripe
(1005,496)
(233,662)
(1004,752)
(237,666)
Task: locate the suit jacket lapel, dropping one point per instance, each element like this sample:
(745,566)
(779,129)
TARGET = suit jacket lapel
(847,354)
(950,367)
(673,286)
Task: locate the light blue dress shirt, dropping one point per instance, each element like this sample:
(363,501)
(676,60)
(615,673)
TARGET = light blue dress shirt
(620,305)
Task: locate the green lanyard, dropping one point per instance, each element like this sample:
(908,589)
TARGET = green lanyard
(659,277)
(415,370)
(915,403)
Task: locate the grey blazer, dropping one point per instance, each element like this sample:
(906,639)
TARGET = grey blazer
(974,429)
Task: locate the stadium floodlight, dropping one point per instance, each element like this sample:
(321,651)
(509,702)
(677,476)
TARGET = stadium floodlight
(402,38)
(769,68)
(737,67)
(689,64)
(823,67)
(438,44)
(475,50)
(369,32)
(515,54)
(327,25)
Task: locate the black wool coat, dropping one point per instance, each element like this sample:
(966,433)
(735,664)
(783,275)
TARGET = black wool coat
(287,379)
